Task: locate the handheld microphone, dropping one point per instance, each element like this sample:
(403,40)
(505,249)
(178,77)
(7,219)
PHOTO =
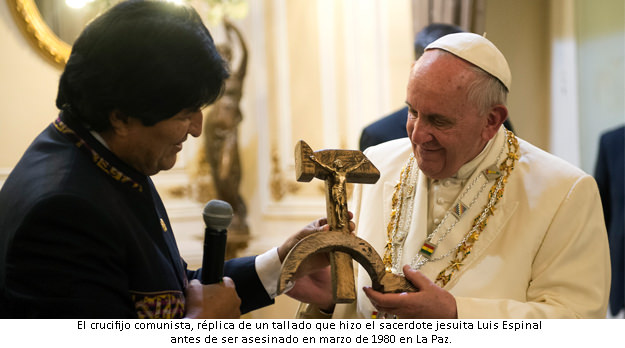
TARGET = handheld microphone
(217,217)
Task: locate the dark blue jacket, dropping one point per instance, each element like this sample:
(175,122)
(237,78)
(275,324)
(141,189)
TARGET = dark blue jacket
(387,128)
(83,235)
(610,176)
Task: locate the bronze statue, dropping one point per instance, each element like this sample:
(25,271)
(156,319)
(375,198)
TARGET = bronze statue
(221,145)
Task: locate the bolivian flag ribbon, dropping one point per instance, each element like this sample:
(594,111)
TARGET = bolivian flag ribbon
(428,249)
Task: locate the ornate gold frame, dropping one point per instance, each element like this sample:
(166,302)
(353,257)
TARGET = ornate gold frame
(50,45)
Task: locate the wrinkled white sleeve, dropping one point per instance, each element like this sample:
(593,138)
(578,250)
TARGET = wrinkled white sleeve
(268,270)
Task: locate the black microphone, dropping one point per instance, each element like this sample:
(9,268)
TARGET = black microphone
(217,216)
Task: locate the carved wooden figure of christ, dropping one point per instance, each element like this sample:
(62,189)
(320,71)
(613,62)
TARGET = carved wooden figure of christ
(336,168)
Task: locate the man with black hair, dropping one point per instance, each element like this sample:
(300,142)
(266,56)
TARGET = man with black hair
(83,231)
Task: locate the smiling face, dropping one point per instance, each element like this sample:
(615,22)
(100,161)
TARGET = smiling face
(445,128)
(150,149)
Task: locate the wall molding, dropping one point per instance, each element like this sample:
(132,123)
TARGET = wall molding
(564,129)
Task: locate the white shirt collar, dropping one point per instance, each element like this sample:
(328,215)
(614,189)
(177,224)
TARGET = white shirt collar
(99,138)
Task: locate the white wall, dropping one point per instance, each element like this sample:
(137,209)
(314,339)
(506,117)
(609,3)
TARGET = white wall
(601,72)
(28,86)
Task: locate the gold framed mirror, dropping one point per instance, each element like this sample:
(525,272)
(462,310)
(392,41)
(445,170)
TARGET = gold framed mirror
(52,25)
(29,19)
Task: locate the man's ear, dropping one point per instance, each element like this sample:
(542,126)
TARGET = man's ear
(119,122)
(497,115)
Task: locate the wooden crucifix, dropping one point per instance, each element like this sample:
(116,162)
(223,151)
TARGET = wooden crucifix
(336,168)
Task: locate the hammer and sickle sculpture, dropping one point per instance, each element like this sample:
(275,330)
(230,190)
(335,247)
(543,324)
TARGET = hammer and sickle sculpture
(336,168)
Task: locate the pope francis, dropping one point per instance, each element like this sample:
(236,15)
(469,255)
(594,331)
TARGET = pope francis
(483,223)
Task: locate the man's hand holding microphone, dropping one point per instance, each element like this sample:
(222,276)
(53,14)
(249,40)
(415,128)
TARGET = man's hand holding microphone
(215,296)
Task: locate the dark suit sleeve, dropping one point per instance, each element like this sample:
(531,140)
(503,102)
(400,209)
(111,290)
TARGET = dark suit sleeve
(609,176)
(64,262)
(602,176)
(249,287)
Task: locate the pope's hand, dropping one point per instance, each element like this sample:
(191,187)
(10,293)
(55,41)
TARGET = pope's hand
(212,301)
(430,302)
(316,288)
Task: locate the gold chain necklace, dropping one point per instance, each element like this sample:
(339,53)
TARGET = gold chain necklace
(405,187)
